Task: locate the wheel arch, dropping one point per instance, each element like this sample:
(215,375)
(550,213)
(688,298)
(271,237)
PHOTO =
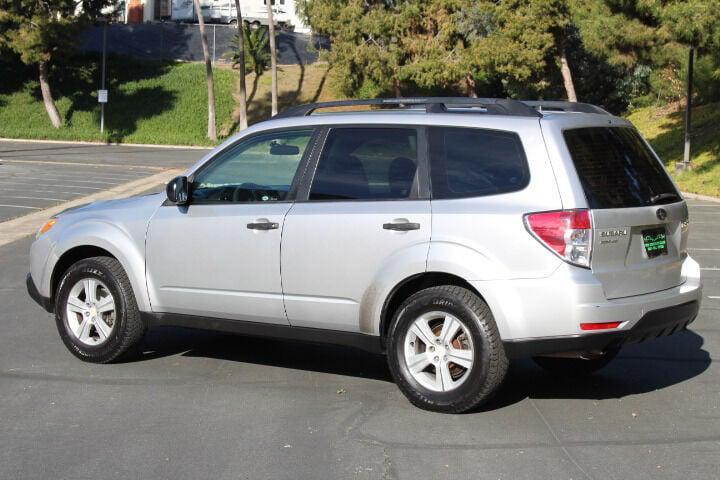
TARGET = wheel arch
(69,258)
(411,285)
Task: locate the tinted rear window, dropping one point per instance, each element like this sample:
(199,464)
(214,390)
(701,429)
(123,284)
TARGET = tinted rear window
(616,168)
(471,162)
(366,164)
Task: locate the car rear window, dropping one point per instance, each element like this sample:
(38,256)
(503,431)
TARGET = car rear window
(472,162)
(617,169)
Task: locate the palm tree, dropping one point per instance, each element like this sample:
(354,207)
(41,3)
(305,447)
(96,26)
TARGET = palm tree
(241,65)
(211,132)
(273,58)
(255,52)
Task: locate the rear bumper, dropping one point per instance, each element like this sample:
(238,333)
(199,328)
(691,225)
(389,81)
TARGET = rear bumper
(655,323)
(44,302)
(556,306)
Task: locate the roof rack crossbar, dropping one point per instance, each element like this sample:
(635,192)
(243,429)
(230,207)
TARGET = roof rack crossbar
(498,106)
(555,105)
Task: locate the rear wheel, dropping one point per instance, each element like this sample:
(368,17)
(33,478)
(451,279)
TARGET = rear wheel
(444,350)
(584,365)
(96,312)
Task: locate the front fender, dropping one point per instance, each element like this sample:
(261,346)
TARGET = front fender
(111,237)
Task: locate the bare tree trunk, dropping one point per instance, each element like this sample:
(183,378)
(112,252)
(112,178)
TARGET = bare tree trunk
(273,58)
(470,85)
(241,63)
(567,76)
(52,110)
(211,132)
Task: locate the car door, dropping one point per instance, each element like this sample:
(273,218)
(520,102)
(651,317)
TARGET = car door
(220,255)
(363,210)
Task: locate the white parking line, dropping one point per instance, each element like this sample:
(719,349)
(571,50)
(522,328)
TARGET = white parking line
(35,190)
(103,175)
(20,206)
(712,269)
(34,198)
(49,177)
(46,185)
(82,164)
(705,249)
(714,297)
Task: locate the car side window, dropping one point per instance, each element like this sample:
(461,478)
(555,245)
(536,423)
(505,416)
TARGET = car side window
(260,169)
(472,162)
(366,164)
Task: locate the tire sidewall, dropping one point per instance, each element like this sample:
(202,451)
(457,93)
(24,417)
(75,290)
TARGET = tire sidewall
(95,353)
(418,305)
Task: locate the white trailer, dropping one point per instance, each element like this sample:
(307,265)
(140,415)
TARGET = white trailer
(254,12)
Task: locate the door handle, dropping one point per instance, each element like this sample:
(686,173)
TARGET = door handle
(401,226)
(263,226)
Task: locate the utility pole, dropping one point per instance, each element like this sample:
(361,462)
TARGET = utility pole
(686,164)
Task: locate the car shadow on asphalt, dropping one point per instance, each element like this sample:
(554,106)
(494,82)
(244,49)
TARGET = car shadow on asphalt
(322,358)
(638,369)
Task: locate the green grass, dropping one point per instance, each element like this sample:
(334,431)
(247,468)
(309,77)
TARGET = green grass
(665,131)
(149,102)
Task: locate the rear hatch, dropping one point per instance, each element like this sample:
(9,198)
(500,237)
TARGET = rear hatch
(639,218)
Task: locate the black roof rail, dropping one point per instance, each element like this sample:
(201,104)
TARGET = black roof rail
(560,106)
(496,106)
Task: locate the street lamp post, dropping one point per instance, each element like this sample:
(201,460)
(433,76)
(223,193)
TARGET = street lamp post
(686,164)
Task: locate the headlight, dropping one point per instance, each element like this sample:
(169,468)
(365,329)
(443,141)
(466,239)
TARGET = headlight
(46,227)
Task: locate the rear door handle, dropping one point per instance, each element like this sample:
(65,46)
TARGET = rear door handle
(401,226)
(263,226)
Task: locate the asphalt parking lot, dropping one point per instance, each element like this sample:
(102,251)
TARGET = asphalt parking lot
(205,405)
(34,176)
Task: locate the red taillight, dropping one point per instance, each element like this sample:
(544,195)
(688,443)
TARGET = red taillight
(599,326)
(566,232)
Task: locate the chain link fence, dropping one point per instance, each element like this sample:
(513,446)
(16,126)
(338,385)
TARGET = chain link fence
(173,41)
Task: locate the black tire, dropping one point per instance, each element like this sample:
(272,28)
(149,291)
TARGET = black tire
(489,361)
(128,329)
(575,367)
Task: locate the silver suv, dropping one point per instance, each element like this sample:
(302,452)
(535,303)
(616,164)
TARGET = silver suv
(451,234)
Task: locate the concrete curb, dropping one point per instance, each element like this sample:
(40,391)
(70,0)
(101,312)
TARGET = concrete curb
(697,196)
(109,144)
(20,227)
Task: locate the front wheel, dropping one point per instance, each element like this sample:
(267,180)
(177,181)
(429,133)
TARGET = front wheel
(444,350)
(96,312)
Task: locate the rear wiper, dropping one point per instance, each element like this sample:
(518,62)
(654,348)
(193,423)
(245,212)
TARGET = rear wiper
(663,196)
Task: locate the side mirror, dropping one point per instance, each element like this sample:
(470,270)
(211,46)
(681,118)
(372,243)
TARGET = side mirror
(177,190)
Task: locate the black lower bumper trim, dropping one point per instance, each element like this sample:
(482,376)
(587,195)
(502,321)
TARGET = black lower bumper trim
(656,323)
(44,302)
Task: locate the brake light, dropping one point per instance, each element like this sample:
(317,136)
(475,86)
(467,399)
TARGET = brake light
(568,233)
(599,326)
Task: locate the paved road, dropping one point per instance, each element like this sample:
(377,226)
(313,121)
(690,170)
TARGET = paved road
(204,405)
(34,176)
